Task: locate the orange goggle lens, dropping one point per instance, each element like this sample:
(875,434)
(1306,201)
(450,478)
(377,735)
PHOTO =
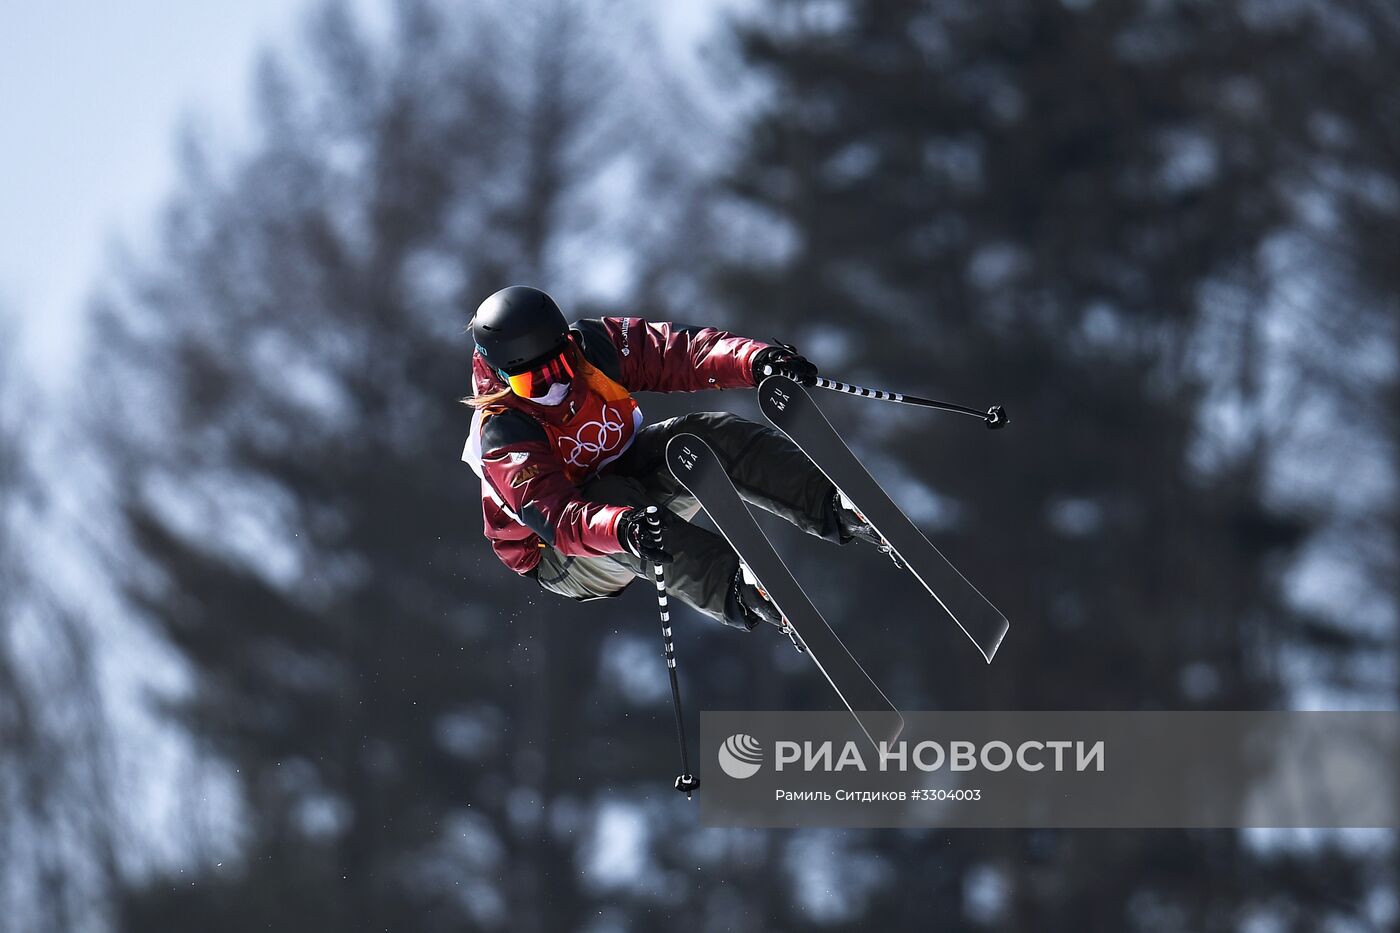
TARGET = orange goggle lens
(535,382)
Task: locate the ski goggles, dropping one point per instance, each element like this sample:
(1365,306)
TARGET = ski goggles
(535,381)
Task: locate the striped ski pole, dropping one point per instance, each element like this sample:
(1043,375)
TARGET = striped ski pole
(686,782)
(994,417)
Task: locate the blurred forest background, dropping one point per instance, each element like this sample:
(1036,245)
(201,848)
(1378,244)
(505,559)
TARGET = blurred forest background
(1164,233)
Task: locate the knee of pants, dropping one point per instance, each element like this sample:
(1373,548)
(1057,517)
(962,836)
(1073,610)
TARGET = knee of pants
(724,431)
(701,422)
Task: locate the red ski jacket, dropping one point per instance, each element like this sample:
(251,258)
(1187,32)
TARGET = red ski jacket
(532,458)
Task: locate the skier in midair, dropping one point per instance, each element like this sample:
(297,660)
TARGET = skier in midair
(567,467)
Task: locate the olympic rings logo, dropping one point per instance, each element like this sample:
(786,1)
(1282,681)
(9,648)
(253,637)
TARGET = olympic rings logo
(593,440)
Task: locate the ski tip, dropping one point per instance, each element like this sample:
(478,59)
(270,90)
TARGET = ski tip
(989,650)
(882,727)
(776,392)
(683,453)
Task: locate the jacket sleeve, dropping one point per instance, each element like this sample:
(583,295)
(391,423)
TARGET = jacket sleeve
(529,479)
(661,357)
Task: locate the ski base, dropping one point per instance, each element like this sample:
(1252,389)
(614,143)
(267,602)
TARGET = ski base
(791,409)
(696,467)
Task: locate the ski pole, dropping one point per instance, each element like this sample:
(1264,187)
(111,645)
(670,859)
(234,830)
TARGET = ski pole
(686,782)
(994,417)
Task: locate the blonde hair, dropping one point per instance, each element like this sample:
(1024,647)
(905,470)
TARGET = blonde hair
(487,400)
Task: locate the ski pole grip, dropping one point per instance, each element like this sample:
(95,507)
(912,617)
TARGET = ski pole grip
(654,524)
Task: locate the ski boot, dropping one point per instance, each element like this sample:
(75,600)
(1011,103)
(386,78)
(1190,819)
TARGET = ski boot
(854,526)
(750,602)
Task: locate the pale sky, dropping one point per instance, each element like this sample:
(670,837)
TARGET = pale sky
(91,95)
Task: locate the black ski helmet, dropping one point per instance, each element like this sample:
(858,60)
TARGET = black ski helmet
(517,325)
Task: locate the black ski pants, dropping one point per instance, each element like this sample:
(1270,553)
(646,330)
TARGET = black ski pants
(769,471)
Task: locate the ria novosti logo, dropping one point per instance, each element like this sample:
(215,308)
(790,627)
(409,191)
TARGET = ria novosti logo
(740,756)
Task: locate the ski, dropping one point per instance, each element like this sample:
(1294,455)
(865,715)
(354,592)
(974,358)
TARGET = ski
(698,469)
(792,410)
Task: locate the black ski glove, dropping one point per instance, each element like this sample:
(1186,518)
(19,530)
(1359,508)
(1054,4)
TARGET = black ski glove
(783,360)
(634,534)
